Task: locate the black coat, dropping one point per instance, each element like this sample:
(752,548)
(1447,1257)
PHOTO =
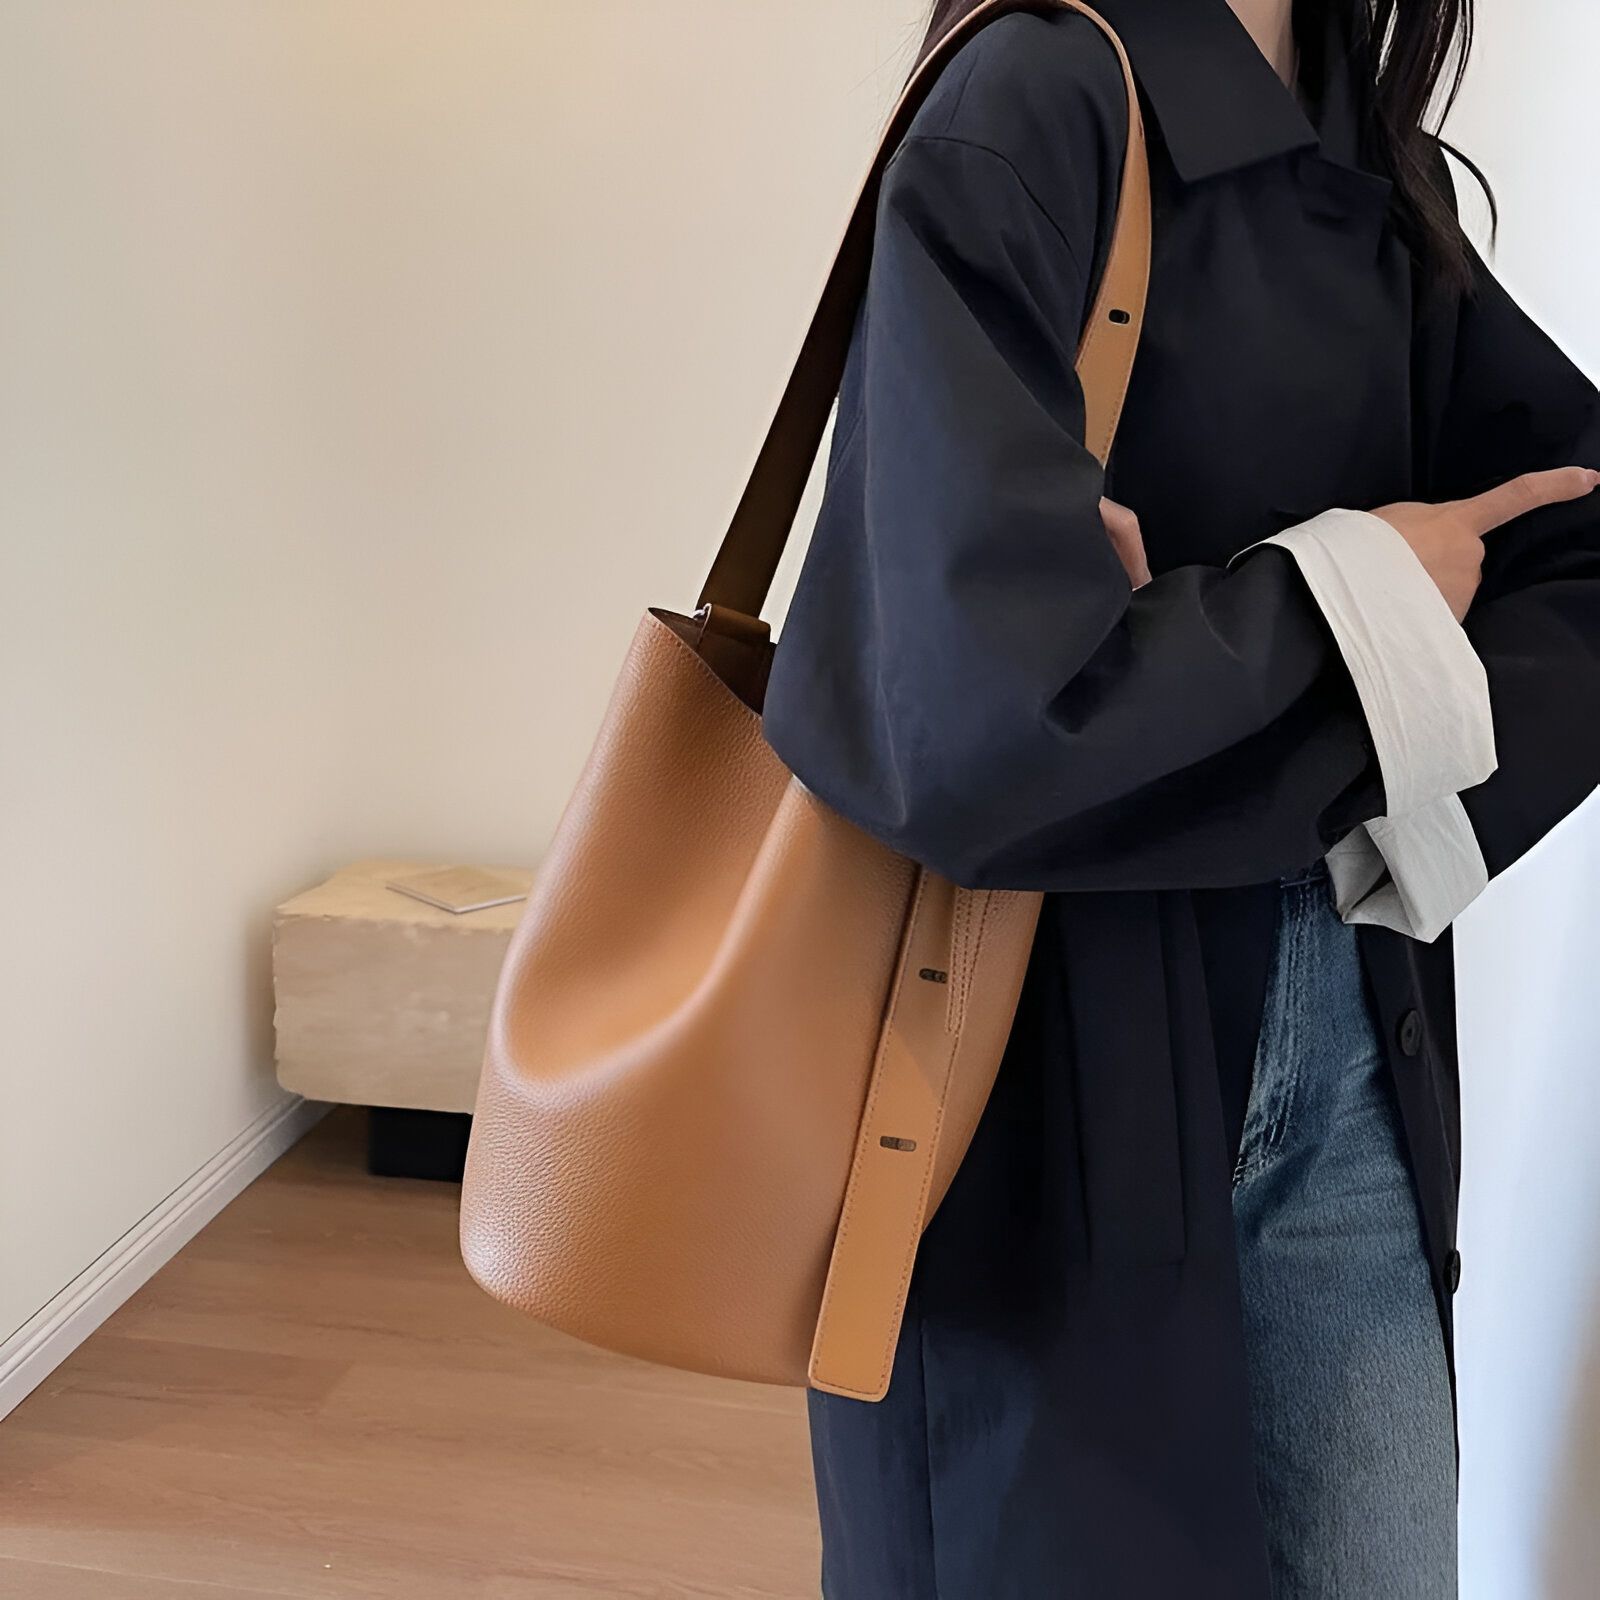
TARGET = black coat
(965,673)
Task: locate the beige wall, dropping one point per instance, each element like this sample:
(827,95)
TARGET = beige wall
(365,369)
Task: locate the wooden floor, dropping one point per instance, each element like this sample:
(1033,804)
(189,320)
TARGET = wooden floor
(312,1399)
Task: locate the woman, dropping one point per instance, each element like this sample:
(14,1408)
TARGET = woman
(1182,1325)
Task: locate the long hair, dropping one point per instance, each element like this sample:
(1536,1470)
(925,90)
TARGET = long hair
(1411,57)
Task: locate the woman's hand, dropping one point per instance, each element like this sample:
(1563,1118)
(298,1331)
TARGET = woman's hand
(1127,540)
(1448,539)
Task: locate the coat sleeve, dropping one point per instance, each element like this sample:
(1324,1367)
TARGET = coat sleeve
(965,671)
(1516,403)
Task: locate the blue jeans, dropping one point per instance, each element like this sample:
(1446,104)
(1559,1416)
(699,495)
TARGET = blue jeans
(1350,1406)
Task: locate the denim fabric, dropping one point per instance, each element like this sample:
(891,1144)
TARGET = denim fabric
(1350,1394)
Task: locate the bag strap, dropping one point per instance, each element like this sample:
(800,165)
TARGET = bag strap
(892,1169)
(748,558)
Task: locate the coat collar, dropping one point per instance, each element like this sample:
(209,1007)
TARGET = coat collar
(1219,104)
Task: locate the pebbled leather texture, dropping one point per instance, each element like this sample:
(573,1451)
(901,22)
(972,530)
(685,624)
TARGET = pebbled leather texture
(738,1047)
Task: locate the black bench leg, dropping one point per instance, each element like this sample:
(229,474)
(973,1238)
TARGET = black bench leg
(416,1144)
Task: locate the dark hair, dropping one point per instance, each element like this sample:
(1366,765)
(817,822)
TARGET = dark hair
(1412,56)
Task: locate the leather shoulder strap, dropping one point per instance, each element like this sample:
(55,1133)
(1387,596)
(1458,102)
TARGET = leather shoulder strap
(743,570)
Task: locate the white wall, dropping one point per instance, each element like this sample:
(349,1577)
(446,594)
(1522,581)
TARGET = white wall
(366,366)
(1528,952)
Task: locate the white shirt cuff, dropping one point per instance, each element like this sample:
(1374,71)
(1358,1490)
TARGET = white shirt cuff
(1414,874)
(1426,699)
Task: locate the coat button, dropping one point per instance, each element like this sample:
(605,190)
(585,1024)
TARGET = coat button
(1452,1270)
(1410,1032)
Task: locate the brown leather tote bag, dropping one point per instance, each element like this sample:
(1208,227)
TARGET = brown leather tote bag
(739,1047)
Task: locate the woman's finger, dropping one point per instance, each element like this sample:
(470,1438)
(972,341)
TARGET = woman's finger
(1119,520)
(1127,539)
(1496,507)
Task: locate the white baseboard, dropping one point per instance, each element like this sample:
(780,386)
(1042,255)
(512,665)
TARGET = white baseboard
(43,1342)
